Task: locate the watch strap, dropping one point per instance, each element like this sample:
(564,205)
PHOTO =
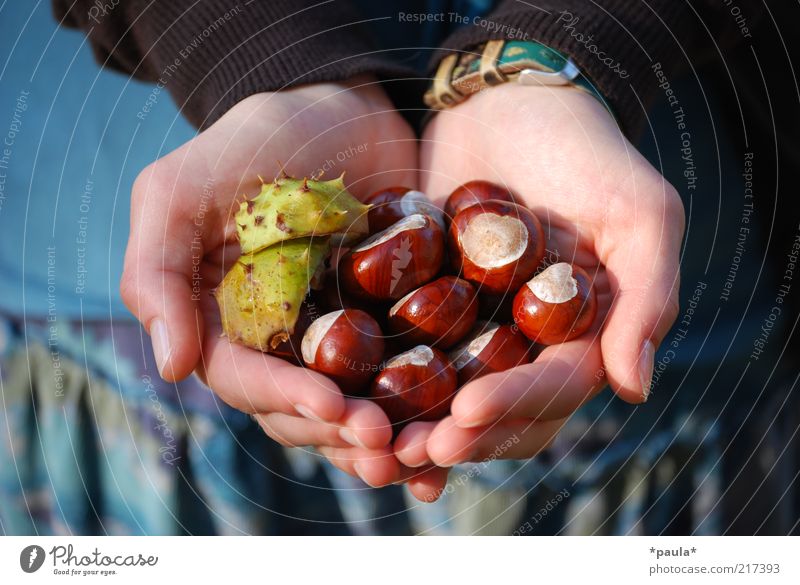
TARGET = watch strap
(499,61)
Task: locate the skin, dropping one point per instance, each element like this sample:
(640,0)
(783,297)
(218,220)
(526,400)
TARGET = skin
(602,205)
(303,127)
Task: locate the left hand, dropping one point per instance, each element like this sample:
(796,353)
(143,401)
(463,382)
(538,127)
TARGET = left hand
(183,241)
(603,207)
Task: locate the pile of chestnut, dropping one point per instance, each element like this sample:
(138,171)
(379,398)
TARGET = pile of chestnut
(432,300)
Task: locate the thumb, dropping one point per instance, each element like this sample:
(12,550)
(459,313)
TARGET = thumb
(644,274)
(156,283)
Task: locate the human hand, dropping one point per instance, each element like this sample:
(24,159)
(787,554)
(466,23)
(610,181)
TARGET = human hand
(603,207)
(183,239)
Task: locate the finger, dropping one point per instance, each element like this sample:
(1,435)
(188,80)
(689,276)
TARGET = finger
(410,446)
(156,279)
(644,273)
(450,444)
(161,299)
(363,425)
(254,382)
(296,431)
(375,467)
(556,384)
(428,484)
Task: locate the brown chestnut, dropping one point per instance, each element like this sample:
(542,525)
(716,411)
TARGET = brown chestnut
(439,313)
(347,346)
(391,263)
(394,203)
(497,245)
(418,384)
(490,348)
(556,305)
(474,192)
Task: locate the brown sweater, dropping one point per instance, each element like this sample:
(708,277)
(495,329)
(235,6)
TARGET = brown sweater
(210,54)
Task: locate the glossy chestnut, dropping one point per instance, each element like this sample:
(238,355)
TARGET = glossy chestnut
(496,245)
(394,203)
(438,314)
(556,305)
(474,192)
(418,384)
(345,345)
(490,348)
(392,263)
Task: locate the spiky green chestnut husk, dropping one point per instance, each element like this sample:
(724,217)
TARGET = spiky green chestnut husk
(260,297)
(291,208)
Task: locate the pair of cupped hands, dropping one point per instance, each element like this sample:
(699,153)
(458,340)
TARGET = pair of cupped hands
(603,207)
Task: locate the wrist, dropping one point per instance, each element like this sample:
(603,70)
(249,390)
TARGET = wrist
(498,63)
(356,95)
(518,115)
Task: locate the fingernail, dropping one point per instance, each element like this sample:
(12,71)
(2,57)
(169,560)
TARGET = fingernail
(646,362)
(160,341)
(471,424)
(308,413)
(350,437)
(360,473)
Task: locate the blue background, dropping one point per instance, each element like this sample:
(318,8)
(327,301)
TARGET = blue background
(80,125)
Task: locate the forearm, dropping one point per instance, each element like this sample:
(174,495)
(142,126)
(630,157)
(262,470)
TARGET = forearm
(615,43)
(212,54)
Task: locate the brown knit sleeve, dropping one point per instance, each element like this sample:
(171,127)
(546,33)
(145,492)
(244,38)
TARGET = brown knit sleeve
(210,54)
(618,44)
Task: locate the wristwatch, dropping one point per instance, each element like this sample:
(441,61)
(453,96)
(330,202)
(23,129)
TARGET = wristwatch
(500,61)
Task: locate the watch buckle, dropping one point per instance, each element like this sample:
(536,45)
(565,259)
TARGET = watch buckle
(566,75)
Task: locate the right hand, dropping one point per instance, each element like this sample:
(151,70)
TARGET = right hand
(603,207)
(182,229)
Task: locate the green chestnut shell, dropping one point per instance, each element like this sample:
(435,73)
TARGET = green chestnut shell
(260,297)
(290,208)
